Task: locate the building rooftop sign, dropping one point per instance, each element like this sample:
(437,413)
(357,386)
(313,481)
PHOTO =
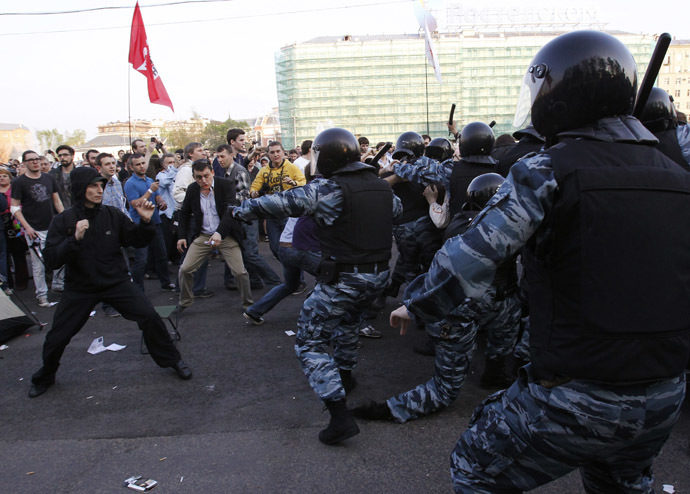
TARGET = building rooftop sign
(456,17)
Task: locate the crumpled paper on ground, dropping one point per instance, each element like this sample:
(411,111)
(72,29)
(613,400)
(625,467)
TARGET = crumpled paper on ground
(98,347)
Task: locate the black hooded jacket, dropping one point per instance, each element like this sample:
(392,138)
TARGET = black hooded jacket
(95,262)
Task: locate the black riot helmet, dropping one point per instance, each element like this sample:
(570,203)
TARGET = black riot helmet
(439,149)
(334,148)
(409,145)
(659,113)
(481,189)
(576,79)
(476,138)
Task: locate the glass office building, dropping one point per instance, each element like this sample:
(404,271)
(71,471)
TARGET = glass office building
(381,86)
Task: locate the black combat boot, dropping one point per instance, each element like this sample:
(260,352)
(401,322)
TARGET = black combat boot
(371,410)
(342,426)
(349,382)
(495,376)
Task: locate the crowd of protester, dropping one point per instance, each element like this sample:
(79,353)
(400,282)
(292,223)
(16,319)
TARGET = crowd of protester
(195,204)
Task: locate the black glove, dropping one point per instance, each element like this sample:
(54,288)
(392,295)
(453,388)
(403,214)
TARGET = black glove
(371,410)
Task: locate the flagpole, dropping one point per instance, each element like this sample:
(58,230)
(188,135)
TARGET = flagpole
(129,106)
(426,87)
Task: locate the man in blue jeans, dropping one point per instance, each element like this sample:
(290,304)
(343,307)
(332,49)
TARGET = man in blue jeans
(137,187)
(298,250)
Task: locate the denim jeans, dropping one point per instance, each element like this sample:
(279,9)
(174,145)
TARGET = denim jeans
(259,270)
(293,261)
(274,229)
(161,259)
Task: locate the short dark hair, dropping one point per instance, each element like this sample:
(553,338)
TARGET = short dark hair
(233,134)
(363,140)
(191,147)
(27,152)
(201,165)
(65,147)
(426,136)
(306,146)
(135,141)
(134,156)
(224,147)
(276,143)
(100,157)
(380,145)
(167,155)
(90,151)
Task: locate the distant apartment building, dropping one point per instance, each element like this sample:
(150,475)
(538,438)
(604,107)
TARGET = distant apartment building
(674,76)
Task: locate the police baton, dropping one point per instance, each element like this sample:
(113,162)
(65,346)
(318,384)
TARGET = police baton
(450,118)
(493,122)
(652,72)
(379,155)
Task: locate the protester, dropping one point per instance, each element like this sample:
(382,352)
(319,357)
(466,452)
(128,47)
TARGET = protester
(96,272)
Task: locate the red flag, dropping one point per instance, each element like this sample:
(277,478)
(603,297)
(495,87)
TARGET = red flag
(140,58)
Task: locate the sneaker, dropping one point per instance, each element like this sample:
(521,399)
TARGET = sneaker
(8,291)
(256,321)
(170,287)
(204,293)
(43,302)
(368,331)
(110,312)
(300,288)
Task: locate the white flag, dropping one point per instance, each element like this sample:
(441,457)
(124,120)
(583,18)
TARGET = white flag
(428,23)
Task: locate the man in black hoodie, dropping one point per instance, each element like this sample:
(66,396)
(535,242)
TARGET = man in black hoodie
(87,238)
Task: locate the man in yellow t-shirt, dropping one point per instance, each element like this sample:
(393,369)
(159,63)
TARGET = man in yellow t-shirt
(280,175)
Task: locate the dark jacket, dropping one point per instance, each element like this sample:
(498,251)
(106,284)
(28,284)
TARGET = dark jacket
(224,193)
(64,191)
(96,261)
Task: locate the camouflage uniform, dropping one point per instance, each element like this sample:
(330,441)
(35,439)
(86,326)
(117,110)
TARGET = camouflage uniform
(333,312)
(683,134)
(417,241)
(537,431)
(454,341)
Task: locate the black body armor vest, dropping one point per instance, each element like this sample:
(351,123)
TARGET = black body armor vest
(461,176)
(363,232)
(610,285)
(413,201)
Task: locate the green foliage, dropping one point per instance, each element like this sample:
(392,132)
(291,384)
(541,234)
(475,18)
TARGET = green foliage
(49,139)
(215,132)
(76,138)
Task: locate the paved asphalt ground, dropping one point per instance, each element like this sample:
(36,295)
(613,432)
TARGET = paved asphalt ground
(246,422)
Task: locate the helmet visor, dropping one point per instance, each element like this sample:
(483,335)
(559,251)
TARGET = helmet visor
(314,160)
(531,85)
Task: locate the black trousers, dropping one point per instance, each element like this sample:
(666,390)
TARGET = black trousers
(73,312)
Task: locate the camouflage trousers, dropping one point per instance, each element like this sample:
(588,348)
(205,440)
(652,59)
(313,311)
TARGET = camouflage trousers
(455,344)
(332,315)
(417,242)
(528,435)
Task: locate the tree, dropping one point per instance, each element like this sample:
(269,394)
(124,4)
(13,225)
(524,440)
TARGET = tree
(215,132)
(76,138)
(49,139)
(178,137)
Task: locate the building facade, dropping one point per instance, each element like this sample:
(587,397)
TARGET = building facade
(14,140)
(381,86)
(674,75)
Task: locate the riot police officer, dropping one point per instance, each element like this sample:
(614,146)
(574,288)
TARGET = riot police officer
(598,211)
(455,344)
(355,248)
(476,143)
(660,117)
(416,237)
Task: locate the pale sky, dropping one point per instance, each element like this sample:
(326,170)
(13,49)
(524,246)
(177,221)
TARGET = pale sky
(70,71)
